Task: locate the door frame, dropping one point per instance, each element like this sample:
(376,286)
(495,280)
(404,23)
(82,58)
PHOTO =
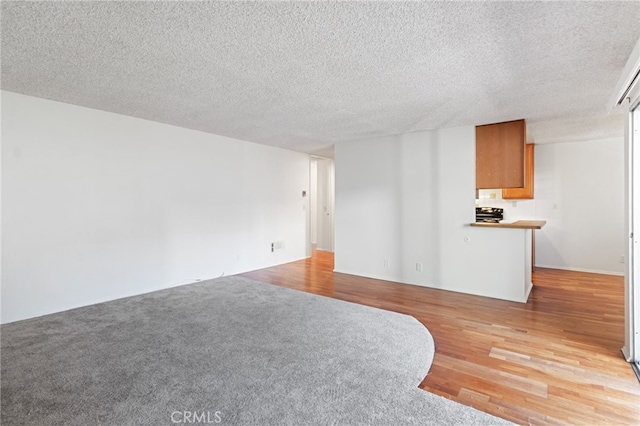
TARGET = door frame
(631,349)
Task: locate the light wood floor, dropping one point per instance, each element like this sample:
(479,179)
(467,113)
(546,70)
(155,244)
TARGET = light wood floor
(553,360)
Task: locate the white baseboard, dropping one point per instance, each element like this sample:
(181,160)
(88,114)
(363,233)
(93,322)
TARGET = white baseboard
(627,354)
(591,271)
(528,292)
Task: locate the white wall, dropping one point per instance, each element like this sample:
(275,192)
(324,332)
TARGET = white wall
(409,199)
(98,206)
(579,191)
(581,194)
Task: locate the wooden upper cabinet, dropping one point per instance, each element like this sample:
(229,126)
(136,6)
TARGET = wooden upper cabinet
(500,155)
(525,193)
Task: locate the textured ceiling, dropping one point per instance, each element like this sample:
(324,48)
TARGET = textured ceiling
(306,75)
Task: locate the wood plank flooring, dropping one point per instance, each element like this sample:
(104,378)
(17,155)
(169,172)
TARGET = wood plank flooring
(553,360)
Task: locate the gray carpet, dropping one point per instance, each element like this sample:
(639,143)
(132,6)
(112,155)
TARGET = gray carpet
(227,351)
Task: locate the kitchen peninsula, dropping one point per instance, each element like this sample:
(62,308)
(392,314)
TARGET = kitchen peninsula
(515,281)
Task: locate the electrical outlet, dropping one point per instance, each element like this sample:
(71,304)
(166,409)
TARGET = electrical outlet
(492,195)
(622,259)
(386,263)
(418,267)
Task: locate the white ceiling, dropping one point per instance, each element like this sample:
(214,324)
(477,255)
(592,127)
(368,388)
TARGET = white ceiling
(306,75)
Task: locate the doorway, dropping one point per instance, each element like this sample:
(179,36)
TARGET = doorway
(321,204)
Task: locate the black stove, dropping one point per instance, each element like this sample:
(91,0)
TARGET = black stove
(489,214)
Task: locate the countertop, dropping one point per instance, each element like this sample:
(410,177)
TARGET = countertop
(520,224)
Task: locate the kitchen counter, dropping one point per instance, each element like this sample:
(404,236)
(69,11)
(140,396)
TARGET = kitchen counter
(520,224)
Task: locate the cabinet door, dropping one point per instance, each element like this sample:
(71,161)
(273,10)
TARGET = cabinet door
(500,155)
(525,193)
